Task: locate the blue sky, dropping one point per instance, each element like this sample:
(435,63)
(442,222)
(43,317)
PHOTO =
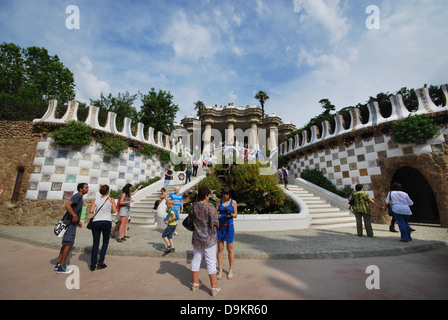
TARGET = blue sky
(299,51)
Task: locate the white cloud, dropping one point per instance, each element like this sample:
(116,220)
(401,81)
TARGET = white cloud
(190,41)
(88,86)
(328,13)
(261,8)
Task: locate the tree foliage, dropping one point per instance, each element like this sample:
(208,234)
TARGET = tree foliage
(414,129)
(28,79)
(158,111)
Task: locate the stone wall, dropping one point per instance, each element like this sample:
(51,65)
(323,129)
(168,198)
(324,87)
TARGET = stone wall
(364,153)
(51,173)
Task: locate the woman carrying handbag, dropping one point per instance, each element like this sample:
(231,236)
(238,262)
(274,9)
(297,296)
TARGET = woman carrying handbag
(101,224)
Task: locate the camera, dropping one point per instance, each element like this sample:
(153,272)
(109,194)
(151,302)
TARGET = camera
(227,212)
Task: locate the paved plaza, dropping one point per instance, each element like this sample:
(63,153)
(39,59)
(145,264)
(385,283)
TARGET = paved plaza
(300,264)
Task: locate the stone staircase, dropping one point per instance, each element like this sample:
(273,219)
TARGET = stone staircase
(142,213)
(323,215)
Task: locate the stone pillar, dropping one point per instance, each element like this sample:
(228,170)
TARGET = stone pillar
(253,137)
(206,137)
(230,132)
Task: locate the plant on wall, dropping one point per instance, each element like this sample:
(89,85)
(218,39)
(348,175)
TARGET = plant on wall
(75,133)
(414,129)
(111,144)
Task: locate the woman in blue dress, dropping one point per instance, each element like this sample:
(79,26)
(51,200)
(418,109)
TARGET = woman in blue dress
(227,211)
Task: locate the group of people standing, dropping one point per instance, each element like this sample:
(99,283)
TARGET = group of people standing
(213,228)
(399,203)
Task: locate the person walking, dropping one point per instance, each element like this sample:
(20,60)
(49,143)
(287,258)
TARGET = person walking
(227,211)
(125,211)
(188,172)
(285,176)
(171,222)
(400,206)
(72,216)
(362,210)
(195,167)
(204,240)
(103,207)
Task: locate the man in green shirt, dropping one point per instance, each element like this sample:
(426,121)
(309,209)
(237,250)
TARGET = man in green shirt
(361,209)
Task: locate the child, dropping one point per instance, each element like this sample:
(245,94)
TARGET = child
(171,222)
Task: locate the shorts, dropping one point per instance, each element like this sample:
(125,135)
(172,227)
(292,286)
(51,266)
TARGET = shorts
(169,231)
(69,237)
(125,211)
(210,259)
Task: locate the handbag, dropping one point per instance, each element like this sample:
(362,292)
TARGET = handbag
(188,222)
(59,228)
(389,205)
(89,225)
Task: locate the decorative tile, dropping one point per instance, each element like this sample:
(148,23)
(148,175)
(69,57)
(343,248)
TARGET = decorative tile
(68,195)
(343,160)
(56,186)
(46,178)
(361,157)
(382,155)
(379,139)
(329,163)
(370,149)
(353,166)
(93,180)
(335,156)
(355,180)
(33,185)
(59,170)
(437,147)
(121,175)
(345,174)
(337,168)
(84,172)
(49,161)
(42,195)
(104,173)
(372,164)
(71,178)
(62,154)
(408,150)
(363,172)
(351,152)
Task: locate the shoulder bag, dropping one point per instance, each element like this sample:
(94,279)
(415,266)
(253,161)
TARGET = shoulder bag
(89,225)
(188,222)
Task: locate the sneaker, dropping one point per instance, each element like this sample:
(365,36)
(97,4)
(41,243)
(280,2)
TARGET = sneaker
(63,269)
(101,266)
(56,267)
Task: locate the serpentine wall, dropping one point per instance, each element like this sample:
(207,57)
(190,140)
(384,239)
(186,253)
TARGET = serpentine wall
(364,154)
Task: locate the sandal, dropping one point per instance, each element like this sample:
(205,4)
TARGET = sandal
(215,291)
(230,275)
(219,275)
(195,286)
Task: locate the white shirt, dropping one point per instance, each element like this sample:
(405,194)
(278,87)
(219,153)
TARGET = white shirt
(106,210)
(400,202)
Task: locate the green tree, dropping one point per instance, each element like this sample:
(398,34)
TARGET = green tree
(199,106)
(122,105)
(262,96)
(158,111)
(326,104)
(28,79)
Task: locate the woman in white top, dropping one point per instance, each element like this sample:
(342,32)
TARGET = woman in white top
(400,205)
(103,207)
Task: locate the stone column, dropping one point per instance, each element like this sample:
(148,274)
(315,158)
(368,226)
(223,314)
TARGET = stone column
(253,141)
(230,132)
(207,136)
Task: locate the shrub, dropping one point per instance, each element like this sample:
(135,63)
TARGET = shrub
(112,144)
(260,192)
(414,129)
(212,182)
(75,133)
(317,177)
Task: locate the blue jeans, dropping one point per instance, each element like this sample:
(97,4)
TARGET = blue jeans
(166,183)
(403,225)
(99,227)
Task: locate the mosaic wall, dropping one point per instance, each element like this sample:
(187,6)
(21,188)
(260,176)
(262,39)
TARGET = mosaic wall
(58,170)
(348,166)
